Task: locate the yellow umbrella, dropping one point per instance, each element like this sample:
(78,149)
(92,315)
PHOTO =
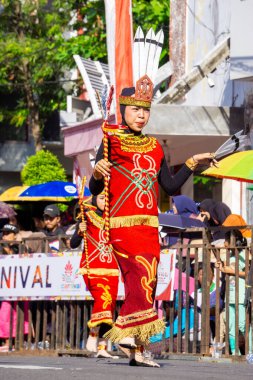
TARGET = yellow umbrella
(237,166)
(12,195)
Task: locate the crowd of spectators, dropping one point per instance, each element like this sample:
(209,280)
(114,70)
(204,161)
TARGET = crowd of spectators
(232,239)
(52,230)
(48,232)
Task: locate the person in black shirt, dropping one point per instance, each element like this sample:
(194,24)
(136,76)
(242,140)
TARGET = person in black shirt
(52,219)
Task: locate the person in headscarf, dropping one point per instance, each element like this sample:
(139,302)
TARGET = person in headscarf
(101,275)
(185,206)
(213,214)
(136,166)
(220,213)
(206,208)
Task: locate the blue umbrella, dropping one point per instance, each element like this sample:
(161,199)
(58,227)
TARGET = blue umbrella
(172,223)
(178,221)
(53,190)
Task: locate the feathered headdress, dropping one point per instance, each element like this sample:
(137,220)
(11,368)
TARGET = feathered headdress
(146,54)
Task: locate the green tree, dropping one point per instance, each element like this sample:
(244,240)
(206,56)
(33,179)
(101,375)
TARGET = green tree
(155,14)
(92,42)
(30,34)
(42,167)
(36,51)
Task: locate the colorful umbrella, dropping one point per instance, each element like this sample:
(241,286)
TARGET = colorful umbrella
(238,166)
(54,190)
(12,194)
(178,221)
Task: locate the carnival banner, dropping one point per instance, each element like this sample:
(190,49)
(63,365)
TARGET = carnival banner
(55,276)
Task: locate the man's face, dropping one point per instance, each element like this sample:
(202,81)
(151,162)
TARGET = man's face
(51,222)
(8,236)
(136,117)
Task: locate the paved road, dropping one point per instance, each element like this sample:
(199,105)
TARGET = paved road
(68,368)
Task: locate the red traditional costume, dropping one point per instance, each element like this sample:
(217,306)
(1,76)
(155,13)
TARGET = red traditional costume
(138,166)
(134,222)
(137,162)
(100,272)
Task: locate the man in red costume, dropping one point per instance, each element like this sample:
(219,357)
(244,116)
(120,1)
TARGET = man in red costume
(136,167)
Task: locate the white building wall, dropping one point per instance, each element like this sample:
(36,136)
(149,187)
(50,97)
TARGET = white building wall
(208,22)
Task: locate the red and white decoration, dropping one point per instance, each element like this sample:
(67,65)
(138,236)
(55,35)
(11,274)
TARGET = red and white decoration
(119,44)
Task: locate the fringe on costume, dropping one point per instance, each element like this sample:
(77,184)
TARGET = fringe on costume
(134,220)
(95,219)
(141,332)
(92,324)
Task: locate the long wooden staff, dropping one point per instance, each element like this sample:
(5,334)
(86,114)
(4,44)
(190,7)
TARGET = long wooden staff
(84,205)
(106,157)
(82,208)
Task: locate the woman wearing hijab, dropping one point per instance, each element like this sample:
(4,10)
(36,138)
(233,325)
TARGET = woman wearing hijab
(100,272)
(220,213)
(136,166)
(185,206)
(213,214)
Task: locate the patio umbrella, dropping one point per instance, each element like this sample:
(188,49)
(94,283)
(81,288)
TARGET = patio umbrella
(178,221)
(50,191)
(12,193)
(238,166)
(172,224)
(6,211)
(54,191)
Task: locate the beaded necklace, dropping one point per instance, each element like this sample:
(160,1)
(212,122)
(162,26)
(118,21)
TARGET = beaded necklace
(140,144)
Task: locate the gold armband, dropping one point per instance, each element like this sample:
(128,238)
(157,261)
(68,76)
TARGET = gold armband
(191,163)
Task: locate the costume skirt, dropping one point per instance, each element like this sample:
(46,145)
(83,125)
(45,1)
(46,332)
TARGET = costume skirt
(137,251)
(104,290)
